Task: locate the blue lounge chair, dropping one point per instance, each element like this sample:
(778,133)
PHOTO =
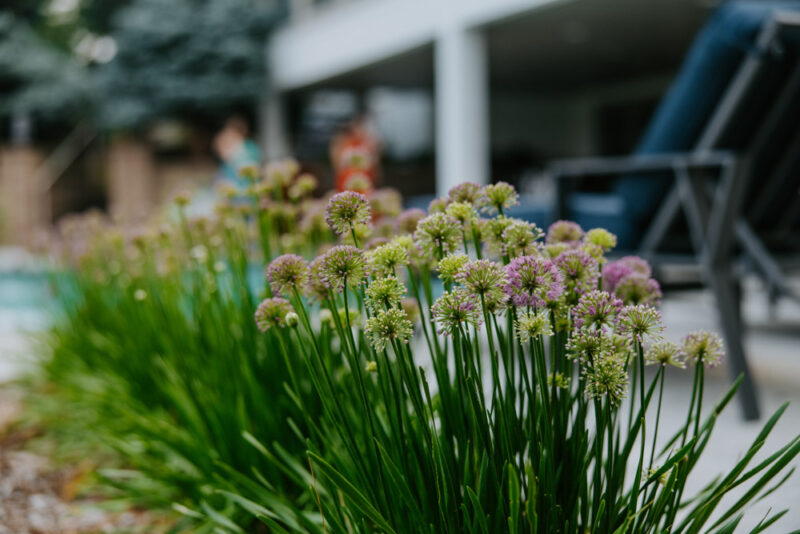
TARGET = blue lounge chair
(723,149)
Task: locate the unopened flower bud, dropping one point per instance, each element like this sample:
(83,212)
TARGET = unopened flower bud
(292,320)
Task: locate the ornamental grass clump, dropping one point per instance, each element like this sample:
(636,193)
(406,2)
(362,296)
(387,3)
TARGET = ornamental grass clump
(336,365)
(521,404)
(174,348)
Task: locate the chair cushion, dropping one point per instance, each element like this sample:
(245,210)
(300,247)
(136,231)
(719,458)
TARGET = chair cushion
(687,107)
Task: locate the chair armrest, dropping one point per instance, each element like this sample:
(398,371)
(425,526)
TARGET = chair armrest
(570,168)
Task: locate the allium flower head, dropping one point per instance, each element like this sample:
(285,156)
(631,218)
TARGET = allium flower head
(596,309)
(579,271)
(462,212)
(638,289)
(357,181)
(303,185)
(407,221)
(491,231)
(454,308)
(519,238)
(438,235)
(450,265)
(601,238)
(375,242)
(564,232)
(386,201)
(342,265)
(272,312)
(384,293)
(594,251)
(607,377)
(288,273)
(640,321)
(387,258)
(496,197)
(486,279)
(531,325)
(316,288)
(438,205)
(349,315)
(346,210)
(703,347)
(615,271)
(558,380)
(664,353)
(280,173)
(388,325)
(554,250)
(465,192)
(533,281)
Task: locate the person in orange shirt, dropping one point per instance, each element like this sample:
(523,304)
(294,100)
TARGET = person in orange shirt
(355,154)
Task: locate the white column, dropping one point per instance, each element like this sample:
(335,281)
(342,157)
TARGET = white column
(274,139)
(462,108)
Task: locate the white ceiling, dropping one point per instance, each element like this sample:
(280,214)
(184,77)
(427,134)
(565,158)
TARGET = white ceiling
(566,45)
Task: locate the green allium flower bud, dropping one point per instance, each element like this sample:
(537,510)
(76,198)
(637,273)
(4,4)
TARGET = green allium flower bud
(292,320)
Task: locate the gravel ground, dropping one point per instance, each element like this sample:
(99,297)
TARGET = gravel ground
(38,498)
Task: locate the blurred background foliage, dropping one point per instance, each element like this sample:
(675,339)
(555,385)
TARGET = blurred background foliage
(132,60)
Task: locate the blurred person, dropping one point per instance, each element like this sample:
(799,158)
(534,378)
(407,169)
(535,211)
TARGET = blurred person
(235,150)
(355,155)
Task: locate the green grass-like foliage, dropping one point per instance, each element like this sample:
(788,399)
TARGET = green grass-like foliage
(466,375)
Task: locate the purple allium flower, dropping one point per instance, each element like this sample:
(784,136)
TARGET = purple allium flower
(640,321)
(486,279)
(596,309)
(607,377)
(705,347)
(495,197)
(287,273)
(533,281)
(664,353)
(465,192)
(388,325)
(384,293)
(437,235)
(342,265)
(579,271)
(638,289)
(454,308)
(407,221)
(614,271)
(272,312)
(438,205)
(564,232)
(346,210)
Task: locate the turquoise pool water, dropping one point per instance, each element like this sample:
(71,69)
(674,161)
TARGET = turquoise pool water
(24,298)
